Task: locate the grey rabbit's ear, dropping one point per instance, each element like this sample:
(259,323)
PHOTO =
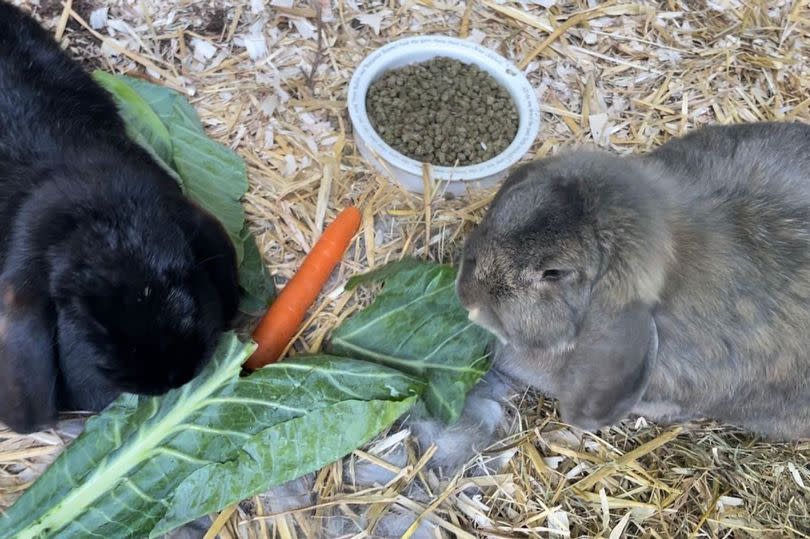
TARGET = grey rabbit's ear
(28,375)
(610,367)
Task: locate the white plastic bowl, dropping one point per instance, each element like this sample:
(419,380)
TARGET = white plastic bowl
(407,171)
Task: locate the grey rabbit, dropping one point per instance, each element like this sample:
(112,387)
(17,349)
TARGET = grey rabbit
(673,285)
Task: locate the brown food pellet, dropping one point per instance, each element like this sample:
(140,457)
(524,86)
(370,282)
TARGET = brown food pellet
(443,112)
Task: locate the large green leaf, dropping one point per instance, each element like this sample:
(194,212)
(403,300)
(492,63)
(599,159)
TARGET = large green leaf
(148,465)
(141,120)
(166,125)
(417,325)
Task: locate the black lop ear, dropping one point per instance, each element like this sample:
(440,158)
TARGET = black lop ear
(28,375)
(213,252)
(30,379)
(610,367)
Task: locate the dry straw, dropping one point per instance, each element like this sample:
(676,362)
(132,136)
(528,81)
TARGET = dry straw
(626,76)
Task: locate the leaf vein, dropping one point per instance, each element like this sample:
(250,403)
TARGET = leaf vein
(392,312)
(255,402)
(141,494)
(209,430)
(181,456)
(413,364)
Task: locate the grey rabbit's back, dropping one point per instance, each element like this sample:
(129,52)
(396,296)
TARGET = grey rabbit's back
(722,155)
(734,315)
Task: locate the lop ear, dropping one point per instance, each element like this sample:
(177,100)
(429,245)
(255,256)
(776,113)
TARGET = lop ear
(610,367)
(30,378)
(28,374)
(213,252)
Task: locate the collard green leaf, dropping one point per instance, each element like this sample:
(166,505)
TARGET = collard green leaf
(148,465)
(168,105)
(257,284)
(142,123)
(417,325)
(166,125)
(213,175)
(381,274)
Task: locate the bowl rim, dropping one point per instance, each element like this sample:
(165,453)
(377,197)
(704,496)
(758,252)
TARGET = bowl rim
(473,53)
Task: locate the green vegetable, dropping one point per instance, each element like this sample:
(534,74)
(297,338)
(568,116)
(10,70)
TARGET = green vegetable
(417,325)
(166,125)
(143,124)
(149,465)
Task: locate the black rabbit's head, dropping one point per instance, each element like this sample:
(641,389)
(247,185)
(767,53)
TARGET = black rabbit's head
(145,295)
(113,282)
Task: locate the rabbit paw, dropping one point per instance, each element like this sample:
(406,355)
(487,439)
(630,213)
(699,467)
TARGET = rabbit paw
(481,421)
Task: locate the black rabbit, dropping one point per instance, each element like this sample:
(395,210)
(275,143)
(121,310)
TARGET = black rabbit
(111,279)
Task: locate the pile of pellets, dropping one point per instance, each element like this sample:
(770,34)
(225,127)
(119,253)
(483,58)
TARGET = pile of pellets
(443,112)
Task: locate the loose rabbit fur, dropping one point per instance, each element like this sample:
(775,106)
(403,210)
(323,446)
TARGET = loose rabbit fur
(674,285)
(110,279)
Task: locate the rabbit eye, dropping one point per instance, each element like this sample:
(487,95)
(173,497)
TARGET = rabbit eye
(554,275)
(144,295)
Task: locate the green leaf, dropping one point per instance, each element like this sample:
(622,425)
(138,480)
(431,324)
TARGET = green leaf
(166,125)
(142,123)
(213,175)
(258,287)
(148,465)
(168,105)
(417,325)
(381,274)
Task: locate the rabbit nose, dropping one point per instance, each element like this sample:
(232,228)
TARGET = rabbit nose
(487,319)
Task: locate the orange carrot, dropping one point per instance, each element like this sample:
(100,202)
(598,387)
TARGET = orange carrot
(281,322)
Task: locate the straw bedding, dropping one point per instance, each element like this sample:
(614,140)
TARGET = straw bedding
(269,79)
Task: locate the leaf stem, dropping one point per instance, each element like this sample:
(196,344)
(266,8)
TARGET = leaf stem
(133,452)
